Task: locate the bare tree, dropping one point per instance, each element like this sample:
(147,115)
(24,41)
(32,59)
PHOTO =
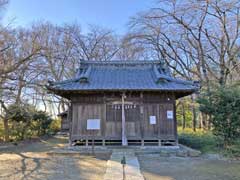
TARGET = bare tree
(129,49)
(18,49)
(182,33)
(197,39)
(98,44)
(63,47)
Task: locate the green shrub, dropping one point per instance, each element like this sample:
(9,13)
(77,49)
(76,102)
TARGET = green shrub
(207,142)
(26,122)
(203,141)
(55,126)
(20,131)
(42,122)
(223,105)
(20,117)
(233,150)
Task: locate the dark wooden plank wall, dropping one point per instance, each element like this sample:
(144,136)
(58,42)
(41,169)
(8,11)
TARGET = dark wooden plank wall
(114,121)
(137,119)
(64,123)
(82,112)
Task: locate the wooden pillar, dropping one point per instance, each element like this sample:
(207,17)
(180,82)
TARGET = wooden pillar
(141,116)
(175,123)
(69,120)
(124,137)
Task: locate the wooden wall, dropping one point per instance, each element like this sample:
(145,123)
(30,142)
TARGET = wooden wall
(82,112)
(164,128)
(137,116)
(64,123)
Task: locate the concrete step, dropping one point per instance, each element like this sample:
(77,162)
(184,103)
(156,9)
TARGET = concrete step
(117,171)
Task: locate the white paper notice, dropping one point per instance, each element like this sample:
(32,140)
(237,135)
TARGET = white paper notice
(152,119)
(93,124)
(170,114)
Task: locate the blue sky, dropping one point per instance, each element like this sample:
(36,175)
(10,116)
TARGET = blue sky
(112,14)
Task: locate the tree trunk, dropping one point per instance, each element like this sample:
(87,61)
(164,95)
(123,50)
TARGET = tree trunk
(6,129)
(184,117)
(200,121)
(5,122)
(21,85)
(204,120)
(209,122)
(194,115)
(63,105)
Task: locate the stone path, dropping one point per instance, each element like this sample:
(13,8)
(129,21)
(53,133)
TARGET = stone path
(115,170)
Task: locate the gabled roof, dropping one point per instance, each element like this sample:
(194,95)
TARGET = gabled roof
(123,76)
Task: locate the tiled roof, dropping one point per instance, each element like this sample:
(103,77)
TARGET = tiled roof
(123,75)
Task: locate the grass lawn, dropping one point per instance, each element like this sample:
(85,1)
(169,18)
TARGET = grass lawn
(206,142)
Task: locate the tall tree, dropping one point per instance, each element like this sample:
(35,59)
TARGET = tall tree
(182,34)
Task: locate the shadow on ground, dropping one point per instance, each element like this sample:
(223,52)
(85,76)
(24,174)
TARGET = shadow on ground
(32,161)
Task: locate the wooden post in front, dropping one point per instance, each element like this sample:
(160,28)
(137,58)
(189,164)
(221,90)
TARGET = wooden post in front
(69,119)
(93,143)
(124,138)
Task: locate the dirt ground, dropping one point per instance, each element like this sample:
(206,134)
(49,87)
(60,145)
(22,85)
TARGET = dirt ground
(155,167)
(32,161)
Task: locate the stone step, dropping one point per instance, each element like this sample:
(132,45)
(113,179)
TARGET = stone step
(115,169)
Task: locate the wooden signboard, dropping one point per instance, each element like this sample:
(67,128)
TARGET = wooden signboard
(170,114)
(93,125)
(152,120)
